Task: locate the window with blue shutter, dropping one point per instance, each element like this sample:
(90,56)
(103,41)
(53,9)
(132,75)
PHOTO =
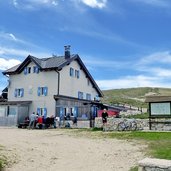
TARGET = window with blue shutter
(42,91)
(45,91)
(25,71)
(71,72)
(39,111)
(77,74)
(22,92)
(75,112)
(19,92)
(88,96)
(39,91)
(61,113)
(15,93)
(36,69)
(80,95)
(45,112)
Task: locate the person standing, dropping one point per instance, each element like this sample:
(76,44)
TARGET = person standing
(32,120)
(104,117)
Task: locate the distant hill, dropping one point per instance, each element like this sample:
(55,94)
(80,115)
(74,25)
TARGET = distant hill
(132,96)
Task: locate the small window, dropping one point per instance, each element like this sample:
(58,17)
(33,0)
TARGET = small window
(88,96)
(71,72)
(19,92)
(36,69)
(97,98)
(42,91)
(12,110)
(29,70)
(80,95)
(42,112)
(77,74)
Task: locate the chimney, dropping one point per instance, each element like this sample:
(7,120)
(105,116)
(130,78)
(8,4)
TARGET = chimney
(67,51)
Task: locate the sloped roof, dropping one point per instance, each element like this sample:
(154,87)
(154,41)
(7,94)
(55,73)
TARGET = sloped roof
(53,63)
(158,99)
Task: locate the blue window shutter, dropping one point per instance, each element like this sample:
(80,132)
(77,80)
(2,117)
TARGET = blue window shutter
(34,69)
(15,93)
(22,92)
(61,112)
(79,95)
(38,91)
(70,71)
(25,71)
(45,91)
(75,111)
(38,111)
(45,112)
(37,70)
(78,74)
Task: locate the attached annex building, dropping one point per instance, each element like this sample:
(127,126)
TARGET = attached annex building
(49,86)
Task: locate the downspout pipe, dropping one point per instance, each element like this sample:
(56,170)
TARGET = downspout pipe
(58,81)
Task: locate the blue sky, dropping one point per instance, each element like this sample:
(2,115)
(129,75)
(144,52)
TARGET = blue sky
(123,43)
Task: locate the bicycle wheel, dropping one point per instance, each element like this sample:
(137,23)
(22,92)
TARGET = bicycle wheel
(133,126)
(121,126)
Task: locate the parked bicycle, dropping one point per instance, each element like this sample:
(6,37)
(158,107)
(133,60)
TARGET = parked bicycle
(127,125)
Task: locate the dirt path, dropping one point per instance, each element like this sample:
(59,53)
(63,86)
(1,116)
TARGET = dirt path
(52,150)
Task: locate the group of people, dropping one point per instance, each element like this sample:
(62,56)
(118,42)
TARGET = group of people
(39,121)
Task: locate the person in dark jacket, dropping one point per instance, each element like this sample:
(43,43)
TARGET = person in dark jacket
(104,117)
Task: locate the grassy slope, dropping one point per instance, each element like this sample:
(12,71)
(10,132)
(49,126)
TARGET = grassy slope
(132,96)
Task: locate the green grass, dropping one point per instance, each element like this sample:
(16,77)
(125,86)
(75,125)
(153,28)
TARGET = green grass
(134,168)
(3,159)
(132,96)
(138,116)
(159,143)
(3,162)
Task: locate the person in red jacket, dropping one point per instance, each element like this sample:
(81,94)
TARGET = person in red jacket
(39,122)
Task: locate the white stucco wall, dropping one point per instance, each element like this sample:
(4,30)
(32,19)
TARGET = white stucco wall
(31,82)
(69,86)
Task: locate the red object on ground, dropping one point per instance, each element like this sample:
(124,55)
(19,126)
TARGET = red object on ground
(111,113)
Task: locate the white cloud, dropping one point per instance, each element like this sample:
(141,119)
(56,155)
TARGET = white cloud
(12,36)
(13,46)
(19,52)
(158,57)
(8,63)
(133,81)
(150,71)
(15,3)
(8,36)
(33,4)
(95,3)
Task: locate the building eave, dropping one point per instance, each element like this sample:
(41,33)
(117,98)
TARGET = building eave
(157,99)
